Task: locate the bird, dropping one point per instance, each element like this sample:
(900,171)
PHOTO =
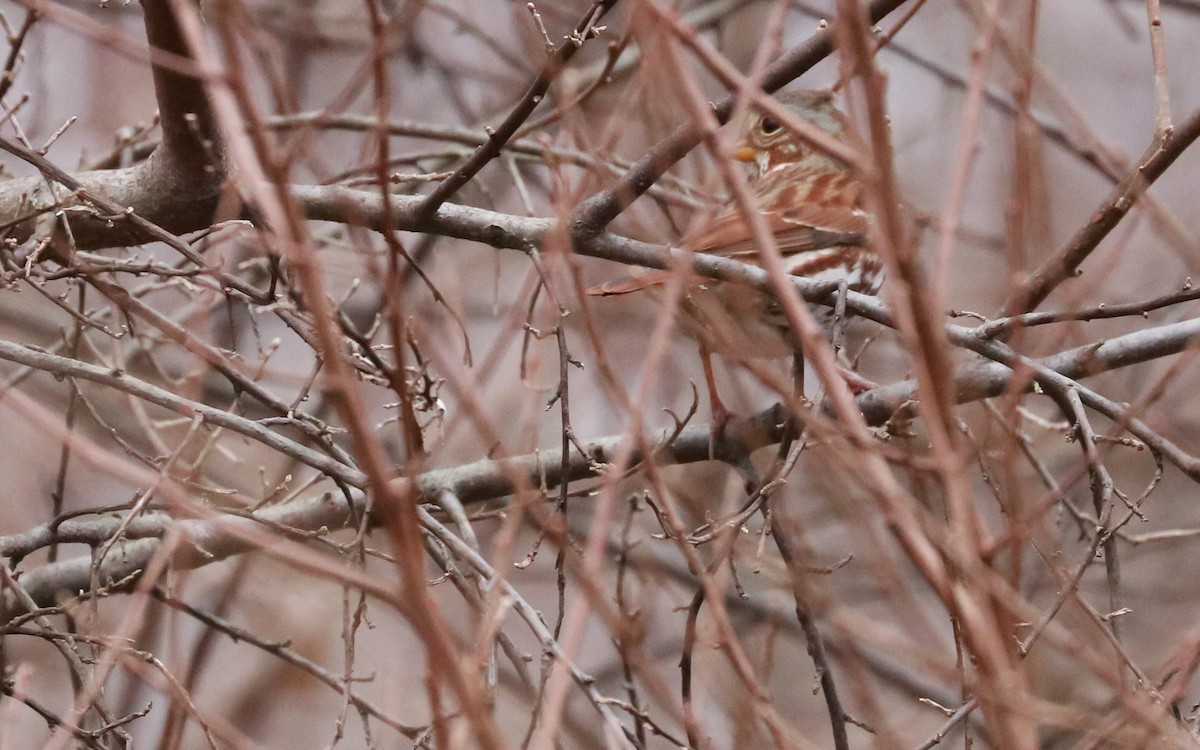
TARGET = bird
(813,204)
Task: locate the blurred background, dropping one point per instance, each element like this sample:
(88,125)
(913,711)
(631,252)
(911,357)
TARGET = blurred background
(458,67)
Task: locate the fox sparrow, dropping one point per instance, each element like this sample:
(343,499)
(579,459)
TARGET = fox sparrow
(813,205)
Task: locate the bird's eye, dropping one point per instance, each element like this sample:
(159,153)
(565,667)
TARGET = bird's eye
(769,125)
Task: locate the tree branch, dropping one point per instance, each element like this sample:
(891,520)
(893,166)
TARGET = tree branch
(490,479)
(1162,153)
(598,211)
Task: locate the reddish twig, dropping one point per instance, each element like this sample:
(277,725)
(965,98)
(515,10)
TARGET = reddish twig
(598,211)
(557,60)
(1066,261)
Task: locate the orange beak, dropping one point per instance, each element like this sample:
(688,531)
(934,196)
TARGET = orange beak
(744,153)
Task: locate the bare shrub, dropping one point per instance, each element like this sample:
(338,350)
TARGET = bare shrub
(314,438)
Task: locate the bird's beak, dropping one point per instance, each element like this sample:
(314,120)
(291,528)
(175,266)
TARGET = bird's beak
(744,153)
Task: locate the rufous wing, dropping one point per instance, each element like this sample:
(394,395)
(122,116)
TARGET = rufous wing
(797,229)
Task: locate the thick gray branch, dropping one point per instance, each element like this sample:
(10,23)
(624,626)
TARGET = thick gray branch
(177,188)
(491,479)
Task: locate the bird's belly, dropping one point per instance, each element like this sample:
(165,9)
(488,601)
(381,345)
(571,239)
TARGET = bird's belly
(742,322)
(735,321)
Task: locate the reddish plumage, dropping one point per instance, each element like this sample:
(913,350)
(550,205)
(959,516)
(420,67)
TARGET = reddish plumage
(813,206)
